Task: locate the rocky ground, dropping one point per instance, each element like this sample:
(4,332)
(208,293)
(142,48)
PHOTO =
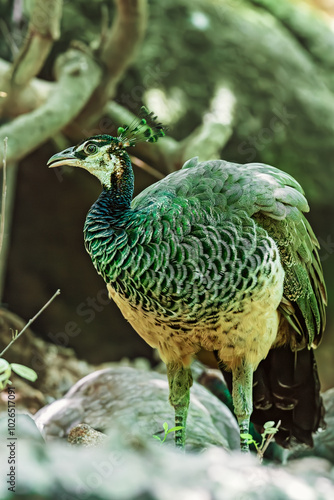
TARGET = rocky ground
(96,441)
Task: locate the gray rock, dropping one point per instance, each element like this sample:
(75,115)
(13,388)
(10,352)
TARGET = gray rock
(124,469)
(137,401)
(84,435)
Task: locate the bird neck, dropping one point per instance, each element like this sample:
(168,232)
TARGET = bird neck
(119,193)
(112,209)
(105,224)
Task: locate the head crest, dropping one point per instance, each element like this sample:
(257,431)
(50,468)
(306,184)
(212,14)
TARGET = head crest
(145,128)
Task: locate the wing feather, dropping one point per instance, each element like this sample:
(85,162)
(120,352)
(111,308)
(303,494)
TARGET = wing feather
(276,201)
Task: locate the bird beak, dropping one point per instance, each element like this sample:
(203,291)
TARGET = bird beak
(65,157)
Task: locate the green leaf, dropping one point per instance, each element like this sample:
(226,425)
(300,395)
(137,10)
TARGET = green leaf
(272,430)
(177,428)
(3,365)
(14,333)
(156,437)
(3,384)
(268,424)
(165,426)
(24,372)
(5,373)
(4,376)
(246,436)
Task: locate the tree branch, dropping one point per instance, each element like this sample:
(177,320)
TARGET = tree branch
(4,193)
(30,97)
(119,47)
(144,166)
(7,206)
(78,77)
(125,34)
(44,29)
(208,140)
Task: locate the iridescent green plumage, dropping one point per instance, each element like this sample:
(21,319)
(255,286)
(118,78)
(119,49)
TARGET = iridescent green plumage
(145,128)
(216,256)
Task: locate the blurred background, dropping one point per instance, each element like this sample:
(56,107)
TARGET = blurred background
(242,80)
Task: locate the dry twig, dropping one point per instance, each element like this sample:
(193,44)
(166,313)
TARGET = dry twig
(30,322)
(147,168)
(270,437)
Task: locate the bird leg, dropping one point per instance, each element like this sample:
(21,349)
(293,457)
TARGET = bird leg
(180,380)
(242,394)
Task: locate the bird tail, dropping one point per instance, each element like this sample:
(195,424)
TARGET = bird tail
(286,387)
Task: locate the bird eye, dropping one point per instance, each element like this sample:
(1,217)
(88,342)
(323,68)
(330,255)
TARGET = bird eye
(90,149)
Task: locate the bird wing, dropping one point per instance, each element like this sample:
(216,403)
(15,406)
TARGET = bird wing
(304,295)
(276,202)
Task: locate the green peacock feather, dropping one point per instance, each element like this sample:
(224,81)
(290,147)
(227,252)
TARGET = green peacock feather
(145,128)
(216,256)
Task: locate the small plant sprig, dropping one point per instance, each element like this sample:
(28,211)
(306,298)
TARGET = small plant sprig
(6,371)
(269,431)
(24,371)
(167,431)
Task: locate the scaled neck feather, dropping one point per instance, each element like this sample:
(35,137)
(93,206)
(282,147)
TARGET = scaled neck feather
(118,193)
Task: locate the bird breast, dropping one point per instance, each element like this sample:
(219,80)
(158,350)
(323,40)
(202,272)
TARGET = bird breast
(227,303)
(187,278)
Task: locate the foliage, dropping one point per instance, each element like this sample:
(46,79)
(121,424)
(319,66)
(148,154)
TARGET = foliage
(22,370)
(167,431)
(7,368)
(6,371)
(269,430)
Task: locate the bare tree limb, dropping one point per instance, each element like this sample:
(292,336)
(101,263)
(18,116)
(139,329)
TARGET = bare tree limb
(44,29)
(119,47)
(206,141)
(144,166)
(78,77)
(7,205)
(12,170)
(116,52)
(125,34)
(30,97)
(3,192)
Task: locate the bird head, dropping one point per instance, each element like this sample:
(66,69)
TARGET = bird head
(104,155)
(101,155)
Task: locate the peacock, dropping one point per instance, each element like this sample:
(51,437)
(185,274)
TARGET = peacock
(215,256)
